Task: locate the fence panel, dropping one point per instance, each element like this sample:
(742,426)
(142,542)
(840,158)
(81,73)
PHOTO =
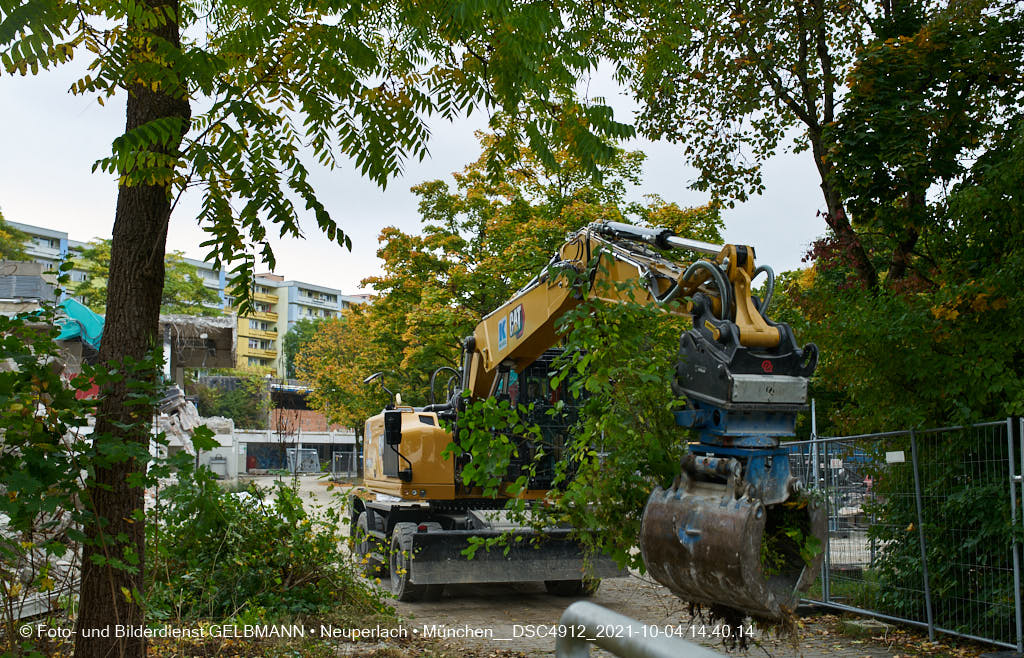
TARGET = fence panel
(919,527)
(967,521)
(305,460)
(343,464)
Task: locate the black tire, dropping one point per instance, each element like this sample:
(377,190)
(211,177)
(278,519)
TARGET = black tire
(365,546)
(585,587)
(401,553)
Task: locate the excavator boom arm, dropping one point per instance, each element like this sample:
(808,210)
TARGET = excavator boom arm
(519,331)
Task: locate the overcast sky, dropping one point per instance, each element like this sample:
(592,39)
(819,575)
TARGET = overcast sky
(51,139)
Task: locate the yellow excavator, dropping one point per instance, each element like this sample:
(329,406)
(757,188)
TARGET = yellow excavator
(743,378)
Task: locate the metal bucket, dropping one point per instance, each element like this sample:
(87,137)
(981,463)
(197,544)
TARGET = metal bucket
(702,540)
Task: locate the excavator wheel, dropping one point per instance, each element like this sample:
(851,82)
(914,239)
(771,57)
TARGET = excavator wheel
(402,587)
(703,541)
(585,587)
(365,547)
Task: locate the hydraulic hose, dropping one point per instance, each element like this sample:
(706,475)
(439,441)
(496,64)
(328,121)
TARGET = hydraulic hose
(455,372)
(769,289)
(720,282)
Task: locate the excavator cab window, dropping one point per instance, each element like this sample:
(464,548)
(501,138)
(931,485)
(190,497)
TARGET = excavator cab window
(537,401)
(507,386)
(532,386)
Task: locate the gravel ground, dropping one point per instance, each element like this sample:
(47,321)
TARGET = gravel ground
(502,614)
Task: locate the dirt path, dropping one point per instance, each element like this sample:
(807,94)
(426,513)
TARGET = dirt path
(492,619)
(507,612)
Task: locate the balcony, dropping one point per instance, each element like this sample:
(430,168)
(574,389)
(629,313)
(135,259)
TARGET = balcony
(315,301)
(266,298)
(269,316)
(244,351)
(246,331)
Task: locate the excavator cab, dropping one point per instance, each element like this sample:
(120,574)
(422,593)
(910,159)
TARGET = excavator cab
(550,408)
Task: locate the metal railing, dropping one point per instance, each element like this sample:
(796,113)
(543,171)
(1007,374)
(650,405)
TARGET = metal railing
(585,624)
(923,526)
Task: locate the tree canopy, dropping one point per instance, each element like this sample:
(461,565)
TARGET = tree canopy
(12,241)
(924,154)
(890,99)
(735,82)
(259,100)
(183,293)
(479,244)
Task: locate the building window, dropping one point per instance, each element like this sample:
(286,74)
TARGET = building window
(319,297)
(260,307)
(314,312)
(261,325)
(260,344)
(256,361)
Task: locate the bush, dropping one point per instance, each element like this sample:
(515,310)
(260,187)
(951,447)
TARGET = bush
(243,399)
(218,555)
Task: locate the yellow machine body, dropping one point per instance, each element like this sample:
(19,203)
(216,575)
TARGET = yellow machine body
(423,443)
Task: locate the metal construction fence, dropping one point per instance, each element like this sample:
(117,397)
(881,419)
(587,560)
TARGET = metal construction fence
(303,460)
(924,526)
(344,465)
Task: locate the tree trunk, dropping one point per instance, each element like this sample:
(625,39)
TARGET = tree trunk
(916,211)
(837,219)
(109,594)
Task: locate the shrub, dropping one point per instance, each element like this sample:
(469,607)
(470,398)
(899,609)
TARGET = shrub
(217,554)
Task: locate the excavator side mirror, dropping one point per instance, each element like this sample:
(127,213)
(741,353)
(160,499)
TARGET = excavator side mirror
(393,427)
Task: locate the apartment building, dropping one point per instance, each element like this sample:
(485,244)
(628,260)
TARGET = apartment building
(49,248)
(278,304)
